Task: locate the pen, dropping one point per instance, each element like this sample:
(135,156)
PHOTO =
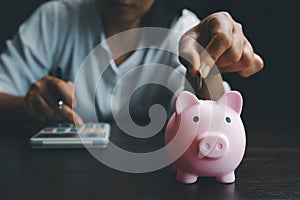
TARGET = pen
(56,72)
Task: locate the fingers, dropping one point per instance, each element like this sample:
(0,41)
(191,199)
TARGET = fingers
(235,51)
(41,100)
(249,64)
(216,32)
(70,115)
(30,109)
(222,38)
(245,60)
(188,53)
(43,108)
(60,89)
(35,106)
(252,69)
(225,45)
(218,45)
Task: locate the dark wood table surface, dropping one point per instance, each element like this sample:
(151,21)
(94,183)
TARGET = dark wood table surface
(270,170)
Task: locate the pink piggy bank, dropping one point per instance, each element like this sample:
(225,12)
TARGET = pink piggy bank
(206,138)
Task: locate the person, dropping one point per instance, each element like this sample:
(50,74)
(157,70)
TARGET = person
(39,65)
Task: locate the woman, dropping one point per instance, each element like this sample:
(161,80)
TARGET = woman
(40,65)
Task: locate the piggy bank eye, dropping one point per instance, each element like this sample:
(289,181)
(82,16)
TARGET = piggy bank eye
(196,119)
(228,120)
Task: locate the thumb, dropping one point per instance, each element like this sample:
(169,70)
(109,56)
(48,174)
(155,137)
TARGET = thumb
(207,63)
(216,47)
(188,54)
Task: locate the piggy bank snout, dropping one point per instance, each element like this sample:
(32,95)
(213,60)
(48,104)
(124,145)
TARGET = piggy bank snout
(213,146)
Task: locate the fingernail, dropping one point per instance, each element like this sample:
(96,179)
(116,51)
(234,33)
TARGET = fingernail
(205,71)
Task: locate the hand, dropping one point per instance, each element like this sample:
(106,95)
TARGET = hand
(225,45)
(41,101)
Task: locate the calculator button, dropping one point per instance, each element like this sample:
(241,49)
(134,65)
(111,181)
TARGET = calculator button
(99,130)
(62,129)
(48,129)
(74,129)
(87,130)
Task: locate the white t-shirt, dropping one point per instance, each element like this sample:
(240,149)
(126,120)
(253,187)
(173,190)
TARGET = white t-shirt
(63,33)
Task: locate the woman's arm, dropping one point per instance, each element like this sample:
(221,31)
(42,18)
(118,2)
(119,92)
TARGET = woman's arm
(40,105)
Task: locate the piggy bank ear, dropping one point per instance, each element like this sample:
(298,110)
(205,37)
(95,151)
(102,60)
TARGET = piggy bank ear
(185,99)
(233,99)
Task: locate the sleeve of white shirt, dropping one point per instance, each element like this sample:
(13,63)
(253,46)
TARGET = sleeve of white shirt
(27,57)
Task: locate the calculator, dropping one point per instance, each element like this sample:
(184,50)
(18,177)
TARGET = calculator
(65,135)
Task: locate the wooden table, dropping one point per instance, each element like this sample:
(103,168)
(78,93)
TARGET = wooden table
(270,170)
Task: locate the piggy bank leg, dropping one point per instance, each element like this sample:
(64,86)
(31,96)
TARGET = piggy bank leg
(186,177)
(228,178)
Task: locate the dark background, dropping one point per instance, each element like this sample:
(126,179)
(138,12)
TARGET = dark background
(271,27)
